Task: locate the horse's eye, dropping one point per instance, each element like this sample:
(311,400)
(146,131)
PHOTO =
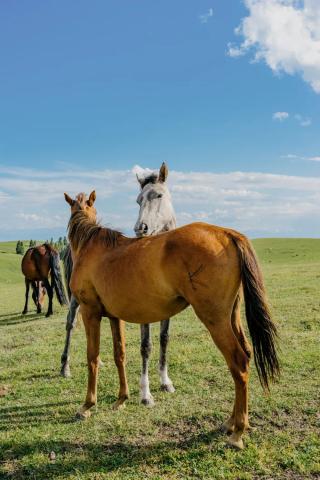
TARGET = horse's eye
(159,195)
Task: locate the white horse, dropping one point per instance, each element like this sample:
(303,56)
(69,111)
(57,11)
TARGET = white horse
(156,215)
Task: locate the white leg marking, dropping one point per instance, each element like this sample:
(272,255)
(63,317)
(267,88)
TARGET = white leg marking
(165,381)
(145,394)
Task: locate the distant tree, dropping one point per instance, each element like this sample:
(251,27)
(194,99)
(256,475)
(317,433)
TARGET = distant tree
(60,244)
(65,241)
(19,248)
(32,243)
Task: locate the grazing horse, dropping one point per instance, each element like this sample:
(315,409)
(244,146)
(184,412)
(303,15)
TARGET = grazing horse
(156,215)
(156,277)
(37,264)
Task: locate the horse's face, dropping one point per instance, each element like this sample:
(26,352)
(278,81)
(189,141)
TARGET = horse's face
(156,212)
(82,203)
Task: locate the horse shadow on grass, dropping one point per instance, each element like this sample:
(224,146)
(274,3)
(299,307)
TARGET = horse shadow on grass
(23,416)
(111,456)
(18,317)
(11,314)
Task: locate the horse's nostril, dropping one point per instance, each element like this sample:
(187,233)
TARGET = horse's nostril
(142,229)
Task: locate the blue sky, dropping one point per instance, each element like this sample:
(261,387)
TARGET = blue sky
(102,86)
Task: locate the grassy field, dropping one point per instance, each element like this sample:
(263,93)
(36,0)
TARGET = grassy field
(179,438)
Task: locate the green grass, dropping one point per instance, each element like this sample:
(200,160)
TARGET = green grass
(179,438)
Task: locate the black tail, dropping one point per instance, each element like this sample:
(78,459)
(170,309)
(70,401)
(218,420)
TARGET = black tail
(68,266)
(262,330)
(57,282)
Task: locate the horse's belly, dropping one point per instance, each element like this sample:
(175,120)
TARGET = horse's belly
(146,310)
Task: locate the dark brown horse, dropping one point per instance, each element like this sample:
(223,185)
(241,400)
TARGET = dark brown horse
(156,277)
(37,265)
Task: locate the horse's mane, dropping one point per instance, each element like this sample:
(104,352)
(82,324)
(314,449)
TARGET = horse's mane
(82,229)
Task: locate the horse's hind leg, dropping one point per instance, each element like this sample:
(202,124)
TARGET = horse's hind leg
(35,295)
(146,345)
(50,296)
(238,329)
(166,383)
(92,321)
(119,353)
(228,425)
(71,322)
(238,363)
(25,310)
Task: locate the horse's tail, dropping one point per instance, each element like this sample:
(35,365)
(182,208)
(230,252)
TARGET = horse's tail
(262,330)
(67,267)
(57,278)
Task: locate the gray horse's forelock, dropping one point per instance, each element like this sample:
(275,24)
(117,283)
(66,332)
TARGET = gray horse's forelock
(148,179)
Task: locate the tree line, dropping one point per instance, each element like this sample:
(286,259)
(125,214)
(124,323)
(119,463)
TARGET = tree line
(59,245)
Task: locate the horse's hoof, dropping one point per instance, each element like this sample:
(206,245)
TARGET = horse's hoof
(65,372)
(168,387)
(49,314)
(236,442)
(101,363)
(148,402)
(118,405)
(83,415)
(24,312)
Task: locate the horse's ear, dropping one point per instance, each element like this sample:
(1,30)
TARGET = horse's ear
(140,180)
(69,200)
(92,198)
(163,173)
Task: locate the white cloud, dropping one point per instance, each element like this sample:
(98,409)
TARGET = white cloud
(291,156)
(257,204)
(303,121)
(285,34)
(280,116)
(205,16)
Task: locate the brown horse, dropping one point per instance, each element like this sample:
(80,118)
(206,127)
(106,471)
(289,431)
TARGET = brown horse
(37,264)
(157,277)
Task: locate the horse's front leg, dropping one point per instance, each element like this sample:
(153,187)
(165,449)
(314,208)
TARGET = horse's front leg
(145,394)
(92,320)
(25,310)
(119,353)
(165,382)
(71,323)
